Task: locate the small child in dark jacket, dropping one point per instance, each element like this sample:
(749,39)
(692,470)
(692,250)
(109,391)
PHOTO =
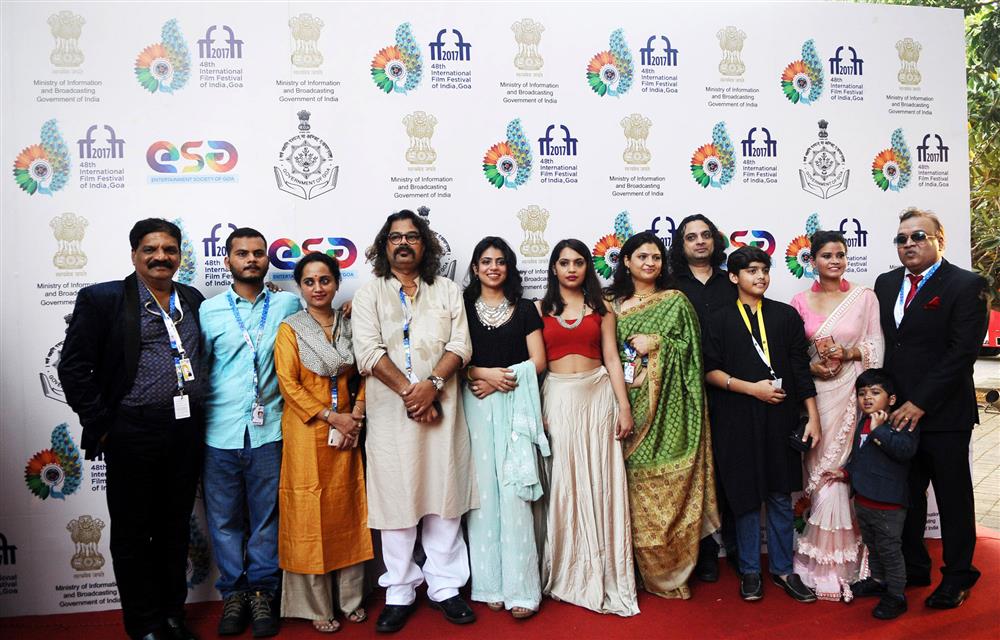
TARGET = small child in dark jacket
(878,470)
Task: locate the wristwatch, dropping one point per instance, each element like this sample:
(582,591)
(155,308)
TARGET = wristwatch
(437,381)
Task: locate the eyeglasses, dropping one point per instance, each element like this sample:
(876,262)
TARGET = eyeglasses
(916,236)
(411,238)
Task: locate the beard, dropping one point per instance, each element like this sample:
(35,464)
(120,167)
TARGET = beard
(249,278)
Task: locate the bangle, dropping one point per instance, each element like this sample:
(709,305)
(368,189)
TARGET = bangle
(326,414)
(728,380)
(468,374)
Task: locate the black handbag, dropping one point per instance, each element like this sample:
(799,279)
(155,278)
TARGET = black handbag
(795,440)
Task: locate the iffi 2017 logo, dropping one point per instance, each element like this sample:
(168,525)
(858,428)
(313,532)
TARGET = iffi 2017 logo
(891,168)
(650,56)
(802,80)
(90,150)
(461,52)
(55,472)
(927,153)
(43,168)
(233,48)
(759,145)
(398,68)
(164,66)
(838,66)
(508,163)
(564,146)
(610,72)
(714,164)
(798,256)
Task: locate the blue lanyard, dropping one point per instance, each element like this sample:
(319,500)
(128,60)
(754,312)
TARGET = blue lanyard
(176,346)
(407,317)
(246,334)
(333,393)
(631,354)
(923,281)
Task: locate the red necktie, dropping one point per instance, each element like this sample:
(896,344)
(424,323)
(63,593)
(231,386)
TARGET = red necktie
(914,281)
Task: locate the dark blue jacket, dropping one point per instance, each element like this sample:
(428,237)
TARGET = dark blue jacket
(100,356)
(879,468)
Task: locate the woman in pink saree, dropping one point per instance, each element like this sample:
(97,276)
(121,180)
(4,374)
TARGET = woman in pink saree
(842,323)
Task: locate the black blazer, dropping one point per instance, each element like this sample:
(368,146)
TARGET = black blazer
(99,359)
(932,353)
(879,469)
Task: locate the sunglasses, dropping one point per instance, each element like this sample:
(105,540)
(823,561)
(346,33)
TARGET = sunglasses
(916,236)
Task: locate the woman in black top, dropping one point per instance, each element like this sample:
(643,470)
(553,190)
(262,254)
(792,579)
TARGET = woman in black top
(502,409)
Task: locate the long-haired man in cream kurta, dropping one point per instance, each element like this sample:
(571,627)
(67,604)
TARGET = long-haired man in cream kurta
(410,337)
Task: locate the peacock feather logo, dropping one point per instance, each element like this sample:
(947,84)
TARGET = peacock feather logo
(508,163)
(714,164)
(608,249)
(189,266)
(398,68)
(164,66)
(891,168)
(55,472)
(802,80)
(43,168)
(610,72)
(798,256)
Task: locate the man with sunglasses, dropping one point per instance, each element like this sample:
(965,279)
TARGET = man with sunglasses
(410,337)
(933,317)
(131,369)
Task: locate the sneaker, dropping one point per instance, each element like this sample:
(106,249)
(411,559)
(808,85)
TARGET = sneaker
(235,615)
(263,620)
(889,607)
(751,587)
(794,587)
(867,587)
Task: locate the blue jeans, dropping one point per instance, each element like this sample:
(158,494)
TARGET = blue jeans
(241,482)
(780,521)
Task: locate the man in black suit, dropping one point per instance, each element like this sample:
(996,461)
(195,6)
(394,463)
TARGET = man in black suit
(934,320)
(131,369)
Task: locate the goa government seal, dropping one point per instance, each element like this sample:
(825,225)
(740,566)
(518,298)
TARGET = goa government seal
(824,171)
(305,164)
(448,262)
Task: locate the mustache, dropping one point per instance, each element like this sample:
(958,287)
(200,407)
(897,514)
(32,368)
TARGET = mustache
(159,263)
(402,250)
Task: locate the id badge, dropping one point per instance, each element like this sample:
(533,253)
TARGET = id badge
(776,383)
(629,370)
(334,438)
(182,407)
(187,370)
(257,414)
(413,378)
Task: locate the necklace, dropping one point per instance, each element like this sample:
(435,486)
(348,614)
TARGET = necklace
(325,326)
(575,323)
(493,317)
(642,296)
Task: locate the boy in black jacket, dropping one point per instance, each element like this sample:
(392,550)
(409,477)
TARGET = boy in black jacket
(878,470)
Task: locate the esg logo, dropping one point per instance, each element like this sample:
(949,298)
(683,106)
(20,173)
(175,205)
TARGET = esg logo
(284,253)
(758,238)
(164,157)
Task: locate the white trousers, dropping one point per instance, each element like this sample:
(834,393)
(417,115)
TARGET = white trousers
(446,569)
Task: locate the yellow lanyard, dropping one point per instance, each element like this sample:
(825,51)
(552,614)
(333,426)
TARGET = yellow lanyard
(765,353)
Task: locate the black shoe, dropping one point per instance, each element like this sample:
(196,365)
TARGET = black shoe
(794,587)
(707,568)
(177,630)
(455,610)
(393,617)
(867,587)
(263,621)
(154,635)
(235,615)
(751,587)
(918,581)
(946,596)
(889,607)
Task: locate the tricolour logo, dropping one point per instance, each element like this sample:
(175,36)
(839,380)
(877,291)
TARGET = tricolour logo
(43,168)
(610,72)
(798,256)
(164,66)
(891,168)
(398,68)
(802,80)
(608,249)
(55,472)
(508,163)
(714,164)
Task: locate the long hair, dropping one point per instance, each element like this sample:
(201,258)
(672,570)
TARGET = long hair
(678,263)
(378,253)
(512,288)
(553,303)
(622,286)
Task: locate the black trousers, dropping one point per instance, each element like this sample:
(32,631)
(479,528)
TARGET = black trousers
(153,464)
(942,459)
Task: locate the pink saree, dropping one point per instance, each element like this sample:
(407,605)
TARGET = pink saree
(828,552)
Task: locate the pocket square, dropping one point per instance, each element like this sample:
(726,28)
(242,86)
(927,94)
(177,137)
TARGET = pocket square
(934,303)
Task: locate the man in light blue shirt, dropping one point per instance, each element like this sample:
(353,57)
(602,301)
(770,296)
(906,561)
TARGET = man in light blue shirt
(243,436)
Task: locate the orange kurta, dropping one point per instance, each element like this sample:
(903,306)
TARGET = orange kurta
(322,506)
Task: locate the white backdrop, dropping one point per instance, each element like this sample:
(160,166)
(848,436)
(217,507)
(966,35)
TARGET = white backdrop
(113,112)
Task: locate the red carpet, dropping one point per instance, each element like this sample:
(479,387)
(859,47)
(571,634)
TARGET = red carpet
(715,611)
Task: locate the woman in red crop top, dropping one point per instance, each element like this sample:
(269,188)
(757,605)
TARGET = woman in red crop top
(586,411)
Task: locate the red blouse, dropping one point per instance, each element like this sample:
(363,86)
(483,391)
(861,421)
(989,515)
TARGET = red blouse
(583,340)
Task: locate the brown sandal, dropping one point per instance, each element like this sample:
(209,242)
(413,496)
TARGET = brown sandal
(495,606)
(359,615)
(326,626)
(520,613)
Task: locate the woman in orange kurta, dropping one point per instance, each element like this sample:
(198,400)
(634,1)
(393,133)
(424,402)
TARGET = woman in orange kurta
(323,535)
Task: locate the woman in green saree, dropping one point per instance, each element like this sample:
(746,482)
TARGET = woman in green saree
(668,457)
